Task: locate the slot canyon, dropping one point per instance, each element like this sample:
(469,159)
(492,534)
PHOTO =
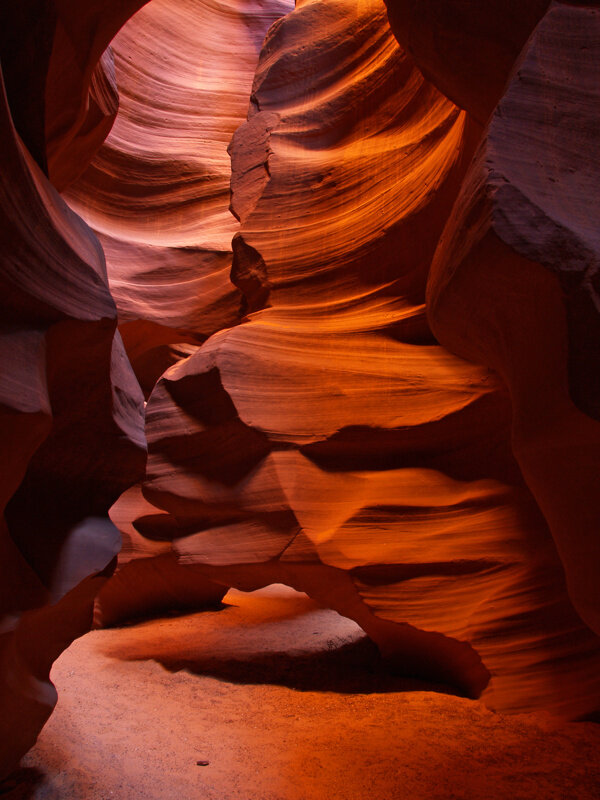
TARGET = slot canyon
(300,399)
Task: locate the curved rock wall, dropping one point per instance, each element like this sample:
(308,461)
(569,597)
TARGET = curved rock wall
(518,262)
(328,441)
(157,194)
(307,419)
(63,364)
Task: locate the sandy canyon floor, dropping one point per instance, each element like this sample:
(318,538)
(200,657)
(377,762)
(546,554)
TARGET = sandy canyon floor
(285,701)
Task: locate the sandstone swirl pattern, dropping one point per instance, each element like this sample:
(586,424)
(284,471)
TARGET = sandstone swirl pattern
(310,418)
(521,253)
(157,194)
(327,441)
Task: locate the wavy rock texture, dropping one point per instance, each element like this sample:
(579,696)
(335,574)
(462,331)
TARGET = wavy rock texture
(59,474)
(158,192)
(59,78)
(328,442)
(518,265)
(65,360)
(309,428)
(157,195)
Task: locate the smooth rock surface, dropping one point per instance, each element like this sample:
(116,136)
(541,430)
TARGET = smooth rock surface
(517,264)
(61,361)
(273,673)
(348,291)
(322,442)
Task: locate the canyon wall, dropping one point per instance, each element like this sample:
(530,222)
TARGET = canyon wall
(343,281)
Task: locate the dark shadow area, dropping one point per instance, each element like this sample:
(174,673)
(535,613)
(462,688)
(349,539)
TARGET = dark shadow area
(21,784)
(153,617)
(165,613)
(354,668)
(464,445)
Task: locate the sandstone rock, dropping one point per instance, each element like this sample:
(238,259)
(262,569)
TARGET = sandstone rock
(513,284)
(61,363)
(310,417)
(323,442)
(57,79)
(466,48)
(158,197)
(158,192)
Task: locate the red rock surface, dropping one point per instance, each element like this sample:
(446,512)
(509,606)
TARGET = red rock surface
(328,442)
(169,249)
(520,253)
(71,427)
(311,419)
(274,673)
(468,49)
(157,194)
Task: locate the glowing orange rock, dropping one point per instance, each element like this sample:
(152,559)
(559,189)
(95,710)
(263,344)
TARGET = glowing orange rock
(328,442)
(466,48)
(158,198)
(157,194)
(305,424)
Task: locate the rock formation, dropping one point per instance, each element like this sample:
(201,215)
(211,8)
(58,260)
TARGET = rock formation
(72,434)
(377,382)
(521,252)
(169,247)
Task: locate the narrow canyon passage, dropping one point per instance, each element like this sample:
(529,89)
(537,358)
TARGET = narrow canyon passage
(309,428)
(299,399)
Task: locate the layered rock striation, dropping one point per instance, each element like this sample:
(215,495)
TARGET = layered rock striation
(518,263)
(157,193)
(375,380)
(328,441)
